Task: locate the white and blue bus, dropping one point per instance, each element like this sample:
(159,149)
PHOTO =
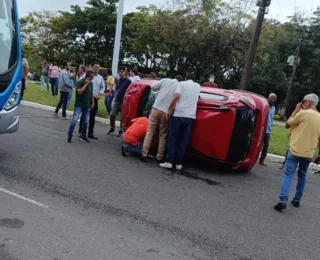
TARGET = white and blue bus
(10,66)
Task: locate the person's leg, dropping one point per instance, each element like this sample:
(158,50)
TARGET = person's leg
(302,176)
(53,82)
(69,99)
(93,113)
(56,86)
(73,123)
(289,170)
(265,147)
(64,103)
(43,82)
(85,120)
(109,103)
(134,150)
(152,126)
(23,87)
(120,112)
(47,83)
(60,103)
(163,135)
(174,130)
(185,133)
(114,113)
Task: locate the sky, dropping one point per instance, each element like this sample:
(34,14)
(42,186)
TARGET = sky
(279,9)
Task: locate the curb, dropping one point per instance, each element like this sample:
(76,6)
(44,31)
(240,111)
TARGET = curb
(69,113)
(270,157)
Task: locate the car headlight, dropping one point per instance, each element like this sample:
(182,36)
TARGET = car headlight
(14,98)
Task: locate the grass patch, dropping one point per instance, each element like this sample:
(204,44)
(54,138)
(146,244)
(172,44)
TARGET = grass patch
(279,139)
(33,94)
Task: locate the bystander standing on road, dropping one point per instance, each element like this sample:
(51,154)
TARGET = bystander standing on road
(166,89)
(66,86)
(211,83)
(122,85)
(25,70)
(98,91)
(304,139)
(184,104)
(134,136)
(110,82)
(45,75)
(84,97)
(134,75)
(54,78)
(266,141)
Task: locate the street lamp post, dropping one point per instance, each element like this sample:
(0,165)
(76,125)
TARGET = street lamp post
(117,41)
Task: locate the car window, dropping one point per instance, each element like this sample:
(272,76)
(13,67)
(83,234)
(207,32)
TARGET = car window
(211,96)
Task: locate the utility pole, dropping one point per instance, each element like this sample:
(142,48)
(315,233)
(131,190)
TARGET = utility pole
(263,4)
(294,70)
(117,41)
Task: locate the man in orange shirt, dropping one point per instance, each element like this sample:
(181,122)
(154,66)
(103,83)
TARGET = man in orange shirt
(134,136)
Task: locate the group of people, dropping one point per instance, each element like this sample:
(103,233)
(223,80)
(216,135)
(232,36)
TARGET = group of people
(304,133)
(173,113)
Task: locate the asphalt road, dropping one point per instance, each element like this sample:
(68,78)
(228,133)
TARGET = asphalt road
(61,201)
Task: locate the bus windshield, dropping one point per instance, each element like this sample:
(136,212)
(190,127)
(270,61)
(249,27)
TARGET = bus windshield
(8,36)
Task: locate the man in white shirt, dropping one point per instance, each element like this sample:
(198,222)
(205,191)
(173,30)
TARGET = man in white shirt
(166,89)
(98,91)
(184,104)
(134,75)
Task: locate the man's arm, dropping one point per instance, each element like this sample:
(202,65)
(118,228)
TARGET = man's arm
(174,102)
(295,119)
(67,80)
(156,85)
(80,88)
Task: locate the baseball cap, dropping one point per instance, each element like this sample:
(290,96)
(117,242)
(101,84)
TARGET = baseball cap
(312,98)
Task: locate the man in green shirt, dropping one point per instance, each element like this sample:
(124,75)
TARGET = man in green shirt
(84,102)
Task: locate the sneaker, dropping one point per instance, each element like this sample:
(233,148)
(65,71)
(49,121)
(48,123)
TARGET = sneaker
(69,139)
(65,118)
(84,139)
(79,135)
(143,158)
(179,166)
(120,134)
(280,206)
(262,163)
(124,150)
(166,165)
(93,137)
(295,203)
(110,131)
(55,114)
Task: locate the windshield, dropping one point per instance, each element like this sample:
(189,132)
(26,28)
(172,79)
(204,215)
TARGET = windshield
(8,39)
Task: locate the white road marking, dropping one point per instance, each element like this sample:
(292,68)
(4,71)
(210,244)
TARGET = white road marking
(24,198)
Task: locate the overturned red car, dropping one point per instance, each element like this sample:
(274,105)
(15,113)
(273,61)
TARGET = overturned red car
(229,128)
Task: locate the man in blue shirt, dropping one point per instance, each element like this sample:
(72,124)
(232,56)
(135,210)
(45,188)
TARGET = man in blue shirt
(121,87)
(272,110)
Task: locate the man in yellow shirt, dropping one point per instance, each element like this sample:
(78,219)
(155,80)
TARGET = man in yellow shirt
(305,134)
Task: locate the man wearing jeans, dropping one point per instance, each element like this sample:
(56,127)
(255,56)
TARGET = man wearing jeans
(45,75)
(98,91)
(266,142)
(122,85)
(84,97)
(304,139)
(158,117)
(185,104)
(65,84)
(134,136)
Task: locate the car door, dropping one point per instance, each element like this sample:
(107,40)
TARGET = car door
(134,101)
